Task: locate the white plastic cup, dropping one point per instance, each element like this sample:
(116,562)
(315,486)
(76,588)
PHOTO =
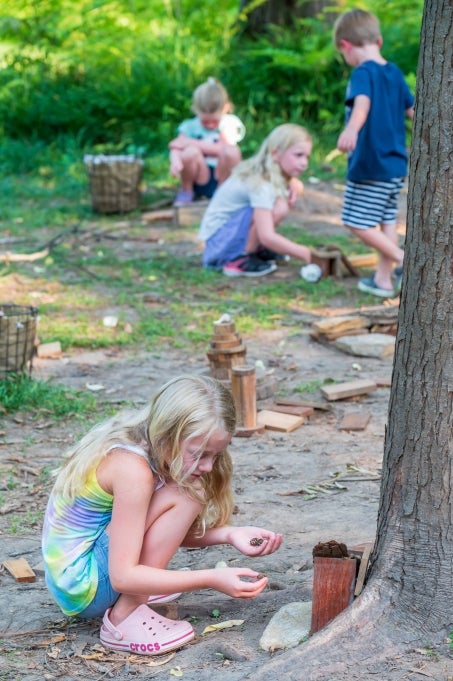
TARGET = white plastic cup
(311,273)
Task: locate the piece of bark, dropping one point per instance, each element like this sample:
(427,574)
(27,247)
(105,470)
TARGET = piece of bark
(364,560)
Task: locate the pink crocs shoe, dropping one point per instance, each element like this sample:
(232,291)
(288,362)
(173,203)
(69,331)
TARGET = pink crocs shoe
(145,632)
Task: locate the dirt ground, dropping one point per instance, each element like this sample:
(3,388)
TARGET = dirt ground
(37,642)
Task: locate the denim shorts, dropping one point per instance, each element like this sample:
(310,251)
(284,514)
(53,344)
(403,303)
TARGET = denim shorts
(229,241)
(369,204)
(105,595)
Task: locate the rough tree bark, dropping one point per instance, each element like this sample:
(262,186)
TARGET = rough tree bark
(408,597)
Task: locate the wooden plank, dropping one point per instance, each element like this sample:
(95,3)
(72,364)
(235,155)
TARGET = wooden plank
(384,382)
(335,327)
(20,570)
(354,421)
(155,215)
(303,403)
(364,260)
(365,559)
(21,257)
(273,420)
(340,391)
(296,410)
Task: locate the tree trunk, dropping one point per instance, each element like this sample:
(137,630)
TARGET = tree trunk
(408,597)
(279,12)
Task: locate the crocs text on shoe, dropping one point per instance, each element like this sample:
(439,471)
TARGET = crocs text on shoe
(145,632)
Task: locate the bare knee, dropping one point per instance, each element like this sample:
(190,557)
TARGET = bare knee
(191,155)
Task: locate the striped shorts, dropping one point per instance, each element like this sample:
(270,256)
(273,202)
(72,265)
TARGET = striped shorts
(369,204)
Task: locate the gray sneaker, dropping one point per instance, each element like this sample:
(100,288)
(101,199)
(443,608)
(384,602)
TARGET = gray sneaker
(368,285)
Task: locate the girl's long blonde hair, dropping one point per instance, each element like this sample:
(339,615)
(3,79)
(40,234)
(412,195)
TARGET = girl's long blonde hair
(264,166)
(185,407)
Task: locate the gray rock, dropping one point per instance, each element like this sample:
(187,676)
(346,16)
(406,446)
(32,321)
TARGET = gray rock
(367,345)
(288,627)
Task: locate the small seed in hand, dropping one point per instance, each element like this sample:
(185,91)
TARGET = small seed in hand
(256,541)
(259,576)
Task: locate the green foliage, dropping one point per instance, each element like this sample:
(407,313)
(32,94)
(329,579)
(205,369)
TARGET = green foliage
(20,392)
(121,73)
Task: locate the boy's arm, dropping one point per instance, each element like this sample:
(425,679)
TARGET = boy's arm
(348,138)
(410,112)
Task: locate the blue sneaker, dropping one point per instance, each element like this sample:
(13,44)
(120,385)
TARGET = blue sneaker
(398,272)
(368,285)
(248,266)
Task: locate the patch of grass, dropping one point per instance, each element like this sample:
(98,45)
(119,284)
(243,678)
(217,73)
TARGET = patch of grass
(309,387)
(23,523)
(20,392)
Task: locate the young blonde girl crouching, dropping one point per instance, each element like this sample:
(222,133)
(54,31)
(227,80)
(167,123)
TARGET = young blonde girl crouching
(132,491)
(239,225)
(206,147)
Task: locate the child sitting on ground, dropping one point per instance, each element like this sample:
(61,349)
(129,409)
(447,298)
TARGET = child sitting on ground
(239,225)
(377,101)
(205,150)
(135,489)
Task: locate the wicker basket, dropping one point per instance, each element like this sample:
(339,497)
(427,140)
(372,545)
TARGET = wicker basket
(17,338)
(114,182)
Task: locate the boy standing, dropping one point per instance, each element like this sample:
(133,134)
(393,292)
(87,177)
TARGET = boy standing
(377,101)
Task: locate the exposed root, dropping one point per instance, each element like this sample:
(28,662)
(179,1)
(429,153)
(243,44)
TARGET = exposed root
(361,643)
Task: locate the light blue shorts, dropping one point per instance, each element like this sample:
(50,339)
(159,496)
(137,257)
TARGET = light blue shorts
(369,204)
(228,243)
(105,595)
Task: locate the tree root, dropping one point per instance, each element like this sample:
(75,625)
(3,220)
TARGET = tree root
(360,643)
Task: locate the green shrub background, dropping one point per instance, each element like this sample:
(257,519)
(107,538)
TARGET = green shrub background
(118,75)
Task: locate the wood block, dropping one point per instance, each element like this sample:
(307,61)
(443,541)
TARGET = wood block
(273,420)
(340,391)
(296,410)
(333,589)
(188,216)
(49,350)
(20,570)
(354,421)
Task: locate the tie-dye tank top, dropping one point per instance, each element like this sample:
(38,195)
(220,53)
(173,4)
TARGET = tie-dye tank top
(69,532)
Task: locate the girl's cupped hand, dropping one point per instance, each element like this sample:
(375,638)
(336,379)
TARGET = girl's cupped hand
(238,582)
(254,541)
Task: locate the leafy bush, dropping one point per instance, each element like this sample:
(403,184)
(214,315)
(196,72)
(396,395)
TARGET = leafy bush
(122,72)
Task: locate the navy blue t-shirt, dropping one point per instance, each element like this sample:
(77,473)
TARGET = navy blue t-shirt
(380,153)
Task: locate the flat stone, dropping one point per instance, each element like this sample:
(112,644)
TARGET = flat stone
(367,345)
(288,627)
